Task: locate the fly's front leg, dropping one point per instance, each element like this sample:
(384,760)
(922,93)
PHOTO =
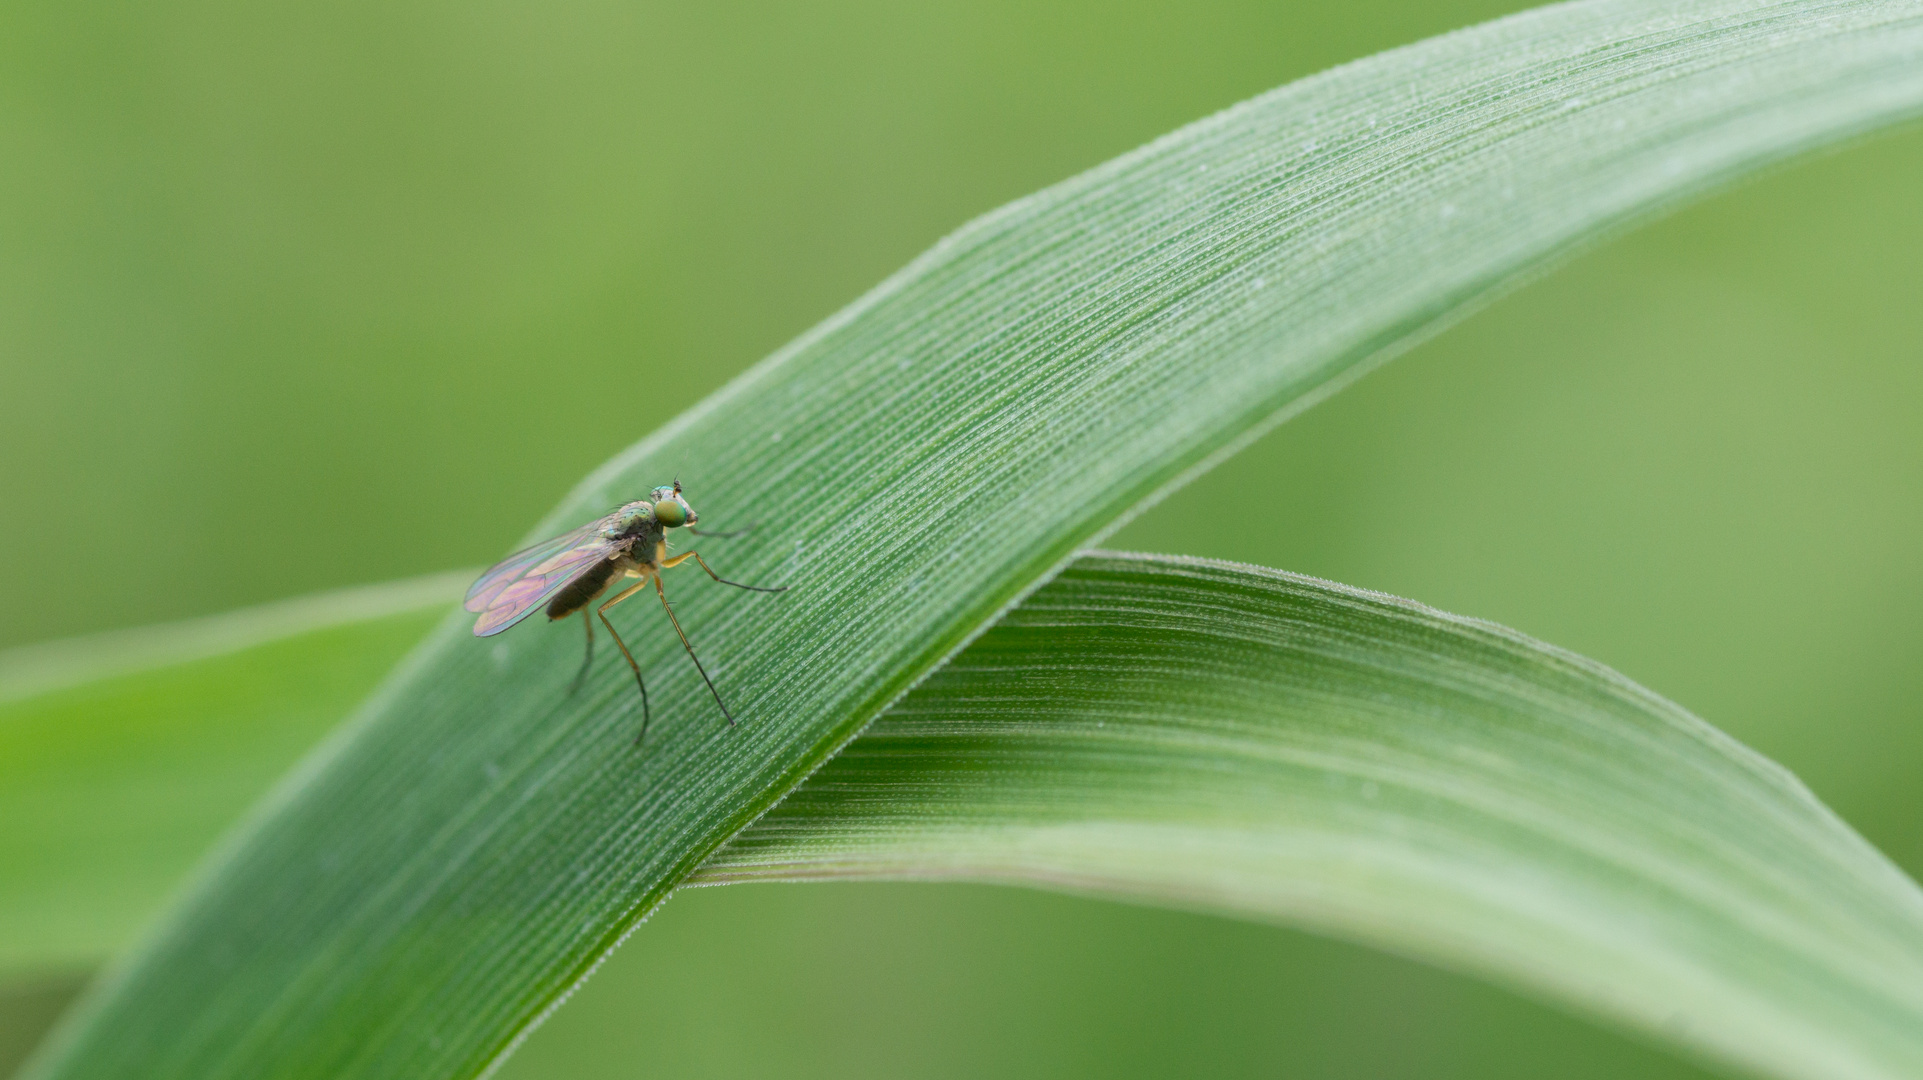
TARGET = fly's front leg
(696,556)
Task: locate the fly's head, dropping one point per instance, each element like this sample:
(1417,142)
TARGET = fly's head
(670,509)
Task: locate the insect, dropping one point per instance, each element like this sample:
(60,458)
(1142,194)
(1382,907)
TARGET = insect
(571,571)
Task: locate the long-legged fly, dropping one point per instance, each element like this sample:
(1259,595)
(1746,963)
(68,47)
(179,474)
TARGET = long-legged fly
(572,570)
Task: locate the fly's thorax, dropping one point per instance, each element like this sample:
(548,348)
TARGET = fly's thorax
(639,547)
(643,556)
(632,519)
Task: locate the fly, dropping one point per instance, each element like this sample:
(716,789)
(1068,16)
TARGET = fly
(571,571)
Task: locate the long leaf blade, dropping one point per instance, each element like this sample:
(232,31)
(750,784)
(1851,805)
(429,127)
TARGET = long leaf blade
(418,894)
(1273,746)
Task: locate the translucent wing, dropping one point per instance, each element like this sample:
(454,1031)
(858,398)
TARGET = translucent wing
(502,574)
(516,585)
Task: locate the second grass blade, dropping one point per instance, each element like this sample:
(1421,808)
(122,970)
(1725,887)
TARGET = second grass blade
(1272,746)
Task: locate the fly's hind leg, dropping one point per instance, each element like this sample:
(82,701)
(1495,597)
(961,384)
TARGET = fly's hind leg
(602,613)
(587,620)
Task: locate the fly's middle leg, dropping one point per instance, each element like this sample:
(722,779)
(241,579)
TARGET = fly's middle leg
(647,714)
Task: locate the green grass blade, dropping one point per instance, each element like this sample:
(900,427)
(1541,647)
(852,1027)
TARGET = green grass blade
(418,893)
(1267,745)
(124,755)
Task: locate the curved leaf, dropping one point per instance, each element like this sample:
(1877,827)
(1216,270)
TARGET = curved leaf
(432,880)
(1268,745)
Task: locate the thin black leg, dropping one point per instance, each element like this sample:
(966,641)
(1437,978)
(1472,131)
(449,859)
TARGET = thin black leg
(587,620)
(646,713)
(736,584)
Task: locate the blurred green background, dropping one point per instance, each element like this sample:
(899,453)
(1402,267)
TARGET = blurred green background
(295,296)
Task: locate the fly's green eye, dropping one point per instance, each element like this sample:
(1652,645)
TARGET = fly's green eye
(670,514)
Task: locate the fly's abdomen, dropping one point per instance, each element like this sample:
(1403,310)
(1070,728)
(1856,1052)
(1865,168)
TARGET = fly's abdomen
(576,594)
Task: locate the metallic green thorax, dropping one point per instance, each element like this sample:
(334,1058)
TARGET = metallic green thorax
(632,520)
(639,526)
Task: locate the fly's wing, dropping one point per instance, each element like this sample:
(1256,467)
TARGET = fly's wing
(502,574)
(515,586)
